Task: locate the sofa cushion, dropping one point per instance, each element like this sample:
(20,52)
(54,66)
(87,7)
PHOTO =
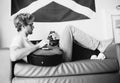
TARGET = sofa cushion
(98,78)
(68,68)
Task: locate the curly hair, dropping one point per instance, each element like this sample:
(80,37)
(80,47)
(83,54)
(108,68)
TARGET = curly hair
(23,19)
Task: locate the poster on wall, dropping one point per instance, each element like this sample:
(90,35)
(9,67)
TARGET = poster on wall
(116,27)
(55,10)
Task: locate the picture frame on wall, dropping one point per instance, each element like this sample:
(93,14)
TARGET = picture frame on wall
(116,27)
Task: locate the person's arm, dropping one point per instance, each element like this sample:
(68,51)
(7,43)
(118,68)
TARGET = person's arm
(19,53)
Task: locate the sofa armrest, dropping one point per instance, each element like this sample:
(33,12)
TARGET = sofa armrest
(111,51)
(5,66)
(118,53)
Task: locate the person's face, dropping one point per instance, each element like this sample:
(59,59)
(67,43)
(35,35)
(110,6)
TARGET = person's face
(29,28)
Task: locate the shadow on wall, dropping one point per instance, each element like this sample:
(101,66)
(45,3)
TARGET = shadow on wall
(0,37)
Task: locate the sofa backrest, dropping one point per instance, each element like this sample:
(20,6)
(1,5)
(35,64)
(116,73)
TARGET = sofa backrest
(80,53)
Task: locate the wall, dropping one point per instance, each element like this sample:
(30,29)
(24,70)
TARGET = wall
(98,27)
(5,32)
(105,9)
(0,36)
(5,69)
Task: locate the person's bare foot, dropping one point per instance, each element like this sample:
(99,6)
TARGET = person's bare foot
(93,57)
(100,56)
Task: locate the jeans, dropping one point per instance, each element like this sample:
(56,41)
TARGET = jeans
(72,33)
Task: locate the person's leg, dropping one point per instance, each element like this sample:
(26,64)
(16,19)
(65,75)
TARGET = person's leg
(84,39)
(71,33)
(66,42)
(104,44)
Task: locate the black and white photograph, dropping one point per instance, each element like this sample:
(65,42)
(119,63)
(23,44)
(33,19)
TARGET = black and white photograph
(60,41)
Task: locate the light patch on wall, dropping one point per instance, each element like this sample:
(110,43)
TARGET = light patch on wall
(42,29)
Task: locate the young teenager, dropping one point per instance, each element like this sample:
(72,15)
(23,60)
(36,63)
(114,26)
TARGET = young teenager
(21,47)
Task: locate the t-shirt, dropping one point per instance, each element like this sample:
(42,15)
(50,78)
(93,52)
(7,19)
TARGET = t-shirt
(20,42)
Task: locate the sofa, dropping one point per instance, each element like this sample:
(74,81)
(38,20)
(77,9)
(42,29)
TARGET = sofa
(80,70)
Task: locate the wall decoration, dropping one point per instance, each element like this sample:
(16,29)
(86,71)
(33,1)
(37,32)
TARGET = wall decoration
(55,10)
(116,27)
